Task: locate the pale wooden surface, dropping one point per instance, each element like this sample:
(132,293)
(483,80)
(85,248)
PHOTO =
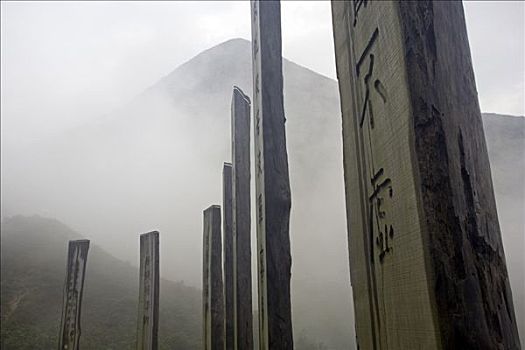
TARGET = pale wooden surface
(148,310)
(74,286)
(424,238)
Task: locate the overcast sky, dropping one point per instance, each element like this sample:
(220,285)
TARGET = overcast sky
(66,62)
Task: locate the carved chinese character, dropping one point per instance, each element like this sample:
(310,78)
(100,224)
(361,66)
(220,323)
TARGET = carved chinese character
(358,4)
(382,229)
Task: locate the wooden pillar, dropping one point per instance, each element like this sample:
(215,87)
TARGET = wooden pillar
(273,199)
(227,234)
(426,258)
(240,122)
(212,288)
(148,313)
(73,289)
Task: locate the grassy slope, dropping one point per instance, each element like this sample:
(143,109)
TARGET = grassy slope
(32,272)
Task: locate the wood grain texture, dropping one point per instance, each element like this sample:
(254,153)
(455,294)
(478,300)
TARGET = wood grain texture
(73,289)
(212,287)
(470,282)
(240,121)
(427,263)
(228,267)
(272,181)
(148,310)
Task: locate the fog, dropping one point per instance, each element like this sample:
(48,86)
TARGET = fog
(115,123)
(157,163)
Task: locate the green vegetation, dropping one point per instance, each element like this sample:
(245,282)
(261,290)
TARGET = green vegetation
(32,275)
(33,259)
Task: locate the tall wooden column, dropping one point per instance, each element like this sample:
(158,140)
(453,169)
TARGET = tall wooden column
(427,263)
(212,288)
(148,312)
(228,267)
(73,289)
(273,197)
(240,122)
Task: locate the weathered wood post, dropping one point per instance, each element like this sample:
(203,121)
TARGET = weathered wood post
(227,234)
(242,258)
(273,197)
(212,289)
(427,263)
(148,313)
(73,289)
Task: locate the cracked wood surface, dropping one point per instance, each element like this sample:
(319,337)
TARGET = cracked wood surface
(273,199)
(427,263)
(241,223)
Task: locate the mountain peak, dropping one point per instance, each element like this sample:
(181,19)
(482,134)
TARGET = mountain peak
(232,47)
(233,42)
(221,67)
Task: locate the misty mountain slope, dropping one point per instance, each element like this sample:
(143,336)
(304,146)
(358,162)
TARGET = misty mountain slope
(32,278)
(505,137)
(157,163)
